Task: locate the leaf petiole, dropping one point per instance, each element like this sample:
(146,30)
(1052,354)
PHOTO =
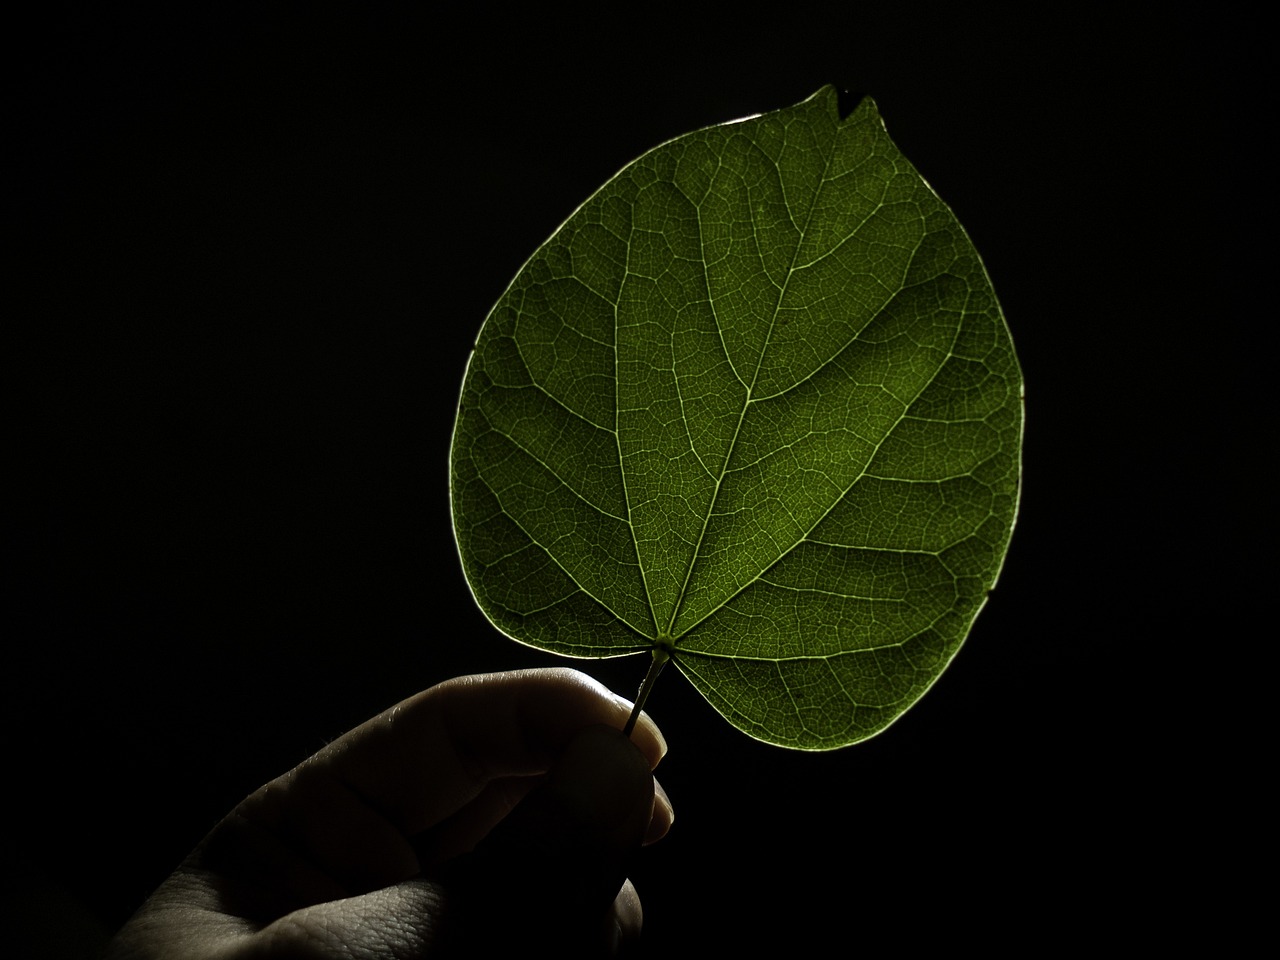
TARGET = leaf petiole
(660,658)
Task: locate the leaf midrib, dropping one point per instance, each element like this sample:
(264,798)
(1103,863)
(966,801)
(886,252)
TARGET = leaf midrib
(746,403)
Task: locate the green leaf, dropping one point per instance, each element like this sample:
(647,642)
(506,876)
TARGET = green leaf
(755,405)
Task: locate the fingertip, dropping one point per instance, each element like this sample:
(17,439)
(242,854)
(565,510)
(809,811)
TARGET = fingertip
(627,918)
(663,815)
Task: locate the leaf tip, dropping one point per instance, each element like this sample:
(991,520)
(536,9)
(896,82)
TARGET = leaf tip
(844,102)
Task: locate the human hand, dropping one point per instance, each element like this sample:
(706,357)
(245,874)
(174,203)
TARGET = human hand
(487,813)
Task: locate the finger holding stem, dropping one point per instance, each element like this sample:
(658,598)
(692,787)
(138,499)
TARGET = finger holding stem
(660,658)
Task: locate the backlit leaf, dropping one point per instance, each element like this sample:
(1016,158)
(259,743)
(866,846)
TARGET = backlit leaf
(753,404)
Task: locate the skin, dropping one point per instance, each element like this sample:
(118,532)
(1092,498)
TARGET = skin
(488,813)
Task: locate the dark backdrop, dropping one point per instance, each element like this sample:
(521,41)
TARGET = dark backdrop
(257,250)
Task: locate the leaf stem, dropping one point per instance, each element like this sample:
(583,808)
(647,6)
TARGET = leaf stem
(660,658)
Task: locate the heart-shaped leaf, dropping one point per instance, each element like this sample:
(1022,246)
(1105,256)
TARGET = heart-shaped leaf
(754,405)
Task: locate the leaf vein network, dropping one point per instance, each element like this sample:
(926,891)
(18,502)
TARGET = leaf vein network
(550,555)
(564,483)
(569,410)
(715,495)
(834,503)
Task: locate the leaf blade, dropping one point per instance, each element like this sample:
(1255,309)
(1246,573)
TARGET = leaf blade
(756,402)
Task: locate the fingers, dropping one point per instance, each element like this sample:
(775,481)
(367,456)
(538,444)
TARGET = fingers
(462,749)
(425,758)
(551,874)
(554,871)
(325,851)
(461,832)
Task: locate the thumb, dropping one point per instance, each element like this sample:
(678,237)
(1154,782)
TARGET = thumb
(552,870)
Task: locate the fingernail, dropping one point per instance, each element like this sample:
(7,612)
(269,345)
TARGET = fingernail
(644,720)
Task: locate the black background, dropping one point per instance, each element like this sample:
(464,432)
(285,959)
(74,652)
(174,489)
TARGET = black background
(257,250)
